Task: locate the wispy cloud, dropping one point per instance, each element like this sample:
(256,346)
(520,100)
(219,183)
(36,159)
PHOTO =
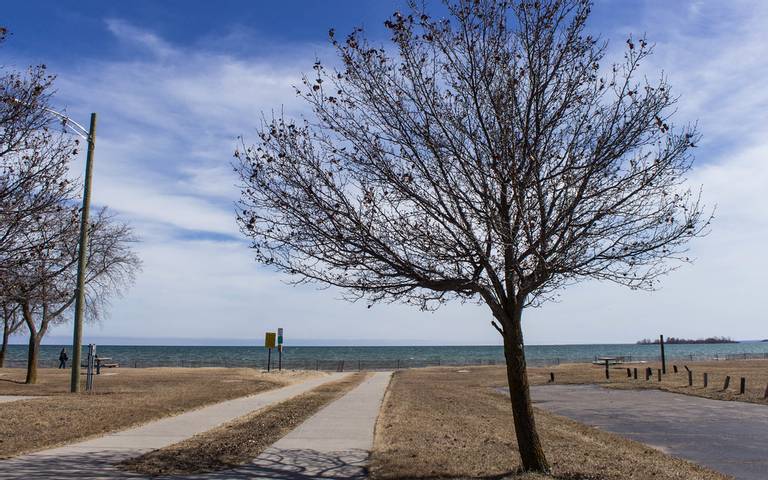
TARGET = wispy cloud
(170,115)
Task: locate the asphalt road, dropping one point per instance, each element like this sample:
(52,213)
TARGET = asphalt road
(730,437)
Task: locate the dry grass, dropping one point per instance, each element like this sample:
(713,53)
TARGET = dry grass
(123,398)
(439,423)
(241,440)
(755,371)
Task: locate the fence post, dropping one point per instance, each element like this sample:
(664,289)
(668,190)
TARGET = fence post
(706,379)
(551,377)
(634,373)
(629,372)
(690,375)
(674,368)
(660,374)
(647,373)
(607,373)
(765,396)
(743,386)
(727,382)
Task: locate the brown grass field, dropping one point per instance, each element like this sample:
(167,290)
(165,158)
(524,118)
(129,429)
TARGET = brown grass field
(440,423)
(755,372)
(243,439)
(123,398)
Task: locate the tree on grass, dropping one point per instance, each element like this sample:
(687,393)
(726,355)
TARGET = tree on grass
(487,157)
(12,321)
(44,287)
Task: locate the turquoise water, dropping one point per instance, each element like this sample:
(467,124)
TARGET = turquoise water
(383,357)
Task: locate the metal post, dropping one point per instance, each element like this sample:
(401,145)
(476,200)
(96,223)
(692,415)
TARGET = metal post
(89,367)
(663,358)
(82,259)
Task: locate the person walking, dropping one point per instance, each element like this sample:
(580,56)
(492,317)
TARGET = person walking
(63,358)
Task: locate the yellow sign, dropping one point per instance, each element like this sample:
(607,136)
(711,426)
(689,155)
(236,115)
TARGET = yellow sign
(269,340)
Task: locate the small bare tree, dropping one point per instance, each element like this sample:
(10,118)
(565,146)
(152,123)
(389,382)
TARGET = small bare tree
(488,157)
(12,321)
(44,286)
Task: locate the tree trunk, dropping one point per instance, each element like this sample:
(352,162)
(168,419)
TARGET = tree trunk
(528,443)
(32,354)
(4,348)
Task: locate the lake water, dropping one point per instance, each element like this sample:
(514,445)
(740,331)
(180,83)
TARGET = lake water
(383,357)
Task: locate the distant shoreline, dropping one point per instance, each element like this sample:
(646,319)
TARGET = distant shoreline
(688,341)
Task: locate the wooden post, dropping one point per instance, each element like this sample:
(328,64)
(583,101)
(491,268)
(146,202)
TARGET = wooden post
(663,358)
(743,386)
(674,368)
(629,372)
(647,373)
(269,359)
(765,396)
(607,373)
(706,379)
(634,373)
(660,371)
(551,377)
(727,382)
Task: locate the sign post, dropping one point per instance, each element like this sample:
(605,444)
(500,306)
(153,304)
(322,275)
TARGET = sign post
(269,343)
(280,349)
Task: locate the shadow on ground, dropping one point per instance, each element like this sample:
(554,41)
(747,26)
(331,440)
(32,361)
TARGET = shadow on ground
(298,464)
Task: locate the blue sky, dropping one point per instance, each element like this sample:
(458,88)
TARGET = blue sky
(175,82)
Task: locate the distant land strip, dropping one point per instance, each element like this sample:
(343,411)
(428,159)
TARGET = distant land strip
(687,341)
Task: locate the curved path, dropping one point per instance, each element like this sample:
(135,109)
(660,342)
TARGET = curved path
(730,437)
(334,443)
(95,458)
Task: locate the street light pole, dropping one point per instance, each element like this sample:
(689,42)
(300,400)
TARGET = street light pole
(82,260)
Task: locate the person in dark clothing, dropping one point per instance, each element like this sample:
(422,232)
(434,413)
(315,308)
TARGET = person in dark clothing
(63,358)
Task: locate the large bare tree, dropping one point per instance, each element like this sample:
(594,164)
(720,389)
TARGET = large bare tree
(44,286)
(490,156)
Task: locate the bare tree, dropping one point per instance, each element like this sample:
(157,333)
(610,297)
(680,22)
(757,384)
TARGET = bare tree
(34,158)
(44,287)
(12,321)
(488,157)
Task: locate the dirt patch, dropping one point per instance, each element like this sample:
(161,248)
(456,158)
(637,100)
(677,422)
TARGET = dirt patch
(241,440)
(438,423)
(129,398)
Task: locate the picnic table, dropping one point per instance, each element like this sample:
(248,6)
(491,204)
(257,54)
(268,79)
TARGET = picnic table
(610,360)
(102,362)
(105,363)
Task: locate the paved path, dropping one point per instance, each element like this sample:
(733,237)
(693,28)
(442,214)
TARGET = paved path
(94,458)
(731,437)
(334,443)
(13,398)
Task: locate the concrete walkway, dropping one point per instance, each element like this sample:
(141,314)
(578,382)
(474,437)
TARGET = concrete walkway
(13,398)
(729,437)
(94,458)
(334,443)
